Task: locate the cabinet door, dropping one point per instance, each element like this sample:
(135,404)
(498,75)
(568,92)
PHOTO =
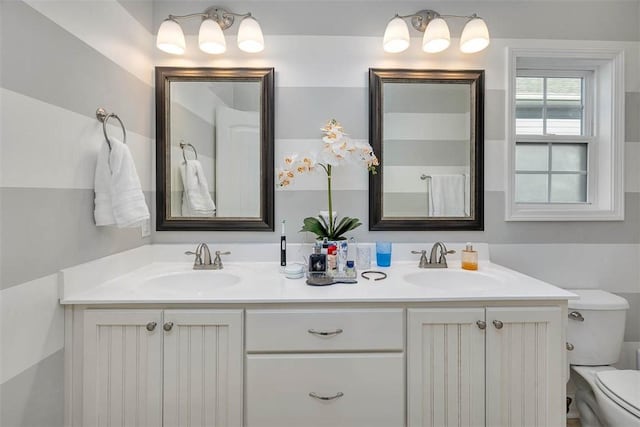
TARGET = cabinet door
(524,367)
(445,367)
(122,368)
(202,368)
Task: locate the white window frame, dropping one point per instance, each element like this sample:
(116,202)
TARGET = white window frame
(605,93)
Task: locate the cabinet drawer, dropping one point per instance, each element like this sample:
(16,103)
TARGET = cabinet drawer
(324,330)
(370,389)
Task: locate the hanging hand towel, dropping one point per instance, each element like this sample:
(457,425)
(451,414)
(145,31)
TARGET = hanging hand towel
(447,195)
(196,199)
(119,199)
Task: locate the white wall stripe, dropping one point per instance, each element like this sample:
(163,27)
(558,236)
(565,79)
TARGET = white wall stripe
(32,324)
(344,61)
(94,22)
(61,151)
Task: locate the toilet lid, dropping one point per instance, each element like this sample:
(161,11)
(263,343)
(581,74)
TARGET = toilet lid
(623,387)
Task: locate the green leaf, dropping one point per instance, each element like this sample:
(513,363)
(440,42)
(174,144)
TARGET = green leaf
(345,225)
(313,225)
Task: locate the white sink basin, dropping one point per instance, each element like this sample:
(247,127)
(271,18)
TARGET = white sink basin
(191,281)
(460,280)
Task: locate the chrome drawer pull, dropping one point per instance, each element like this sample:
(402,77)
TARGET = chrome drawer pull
(335,396)
(498,324)
(481,324)
(325,334)
(167,326)
(151,326)
(576,315)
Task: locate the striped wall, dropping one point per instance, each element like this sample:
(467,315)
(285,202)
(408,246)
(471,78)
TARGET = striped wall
(60,62)
(63,59)
(322,51)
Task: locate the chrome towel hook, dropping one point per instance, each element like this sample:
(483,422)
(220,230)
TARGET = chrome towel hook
(103,116)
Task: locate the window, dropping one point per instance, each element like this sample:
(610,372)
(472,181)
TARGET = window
(565,140)
(553,133)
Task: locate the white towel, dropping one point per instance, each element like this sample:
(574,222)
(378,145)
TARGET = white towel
(119,200)
(447,195)
(196,199)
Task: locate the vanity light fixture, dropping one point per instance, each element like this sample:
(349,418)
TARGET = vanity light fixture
(474,38)
(210,37)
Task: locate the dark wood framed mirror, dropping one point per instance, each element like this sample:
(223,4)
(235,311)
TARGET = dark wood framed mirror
(427,128)
(215,149)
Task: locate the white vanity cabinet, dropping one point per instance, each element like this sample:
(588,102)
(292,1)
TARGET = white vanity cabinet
(493,366)
(325,367)
(152,367)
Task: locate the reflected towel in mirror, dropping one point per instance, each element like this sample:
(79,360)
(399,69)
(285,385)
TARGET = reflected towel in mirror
(118,195)
(448,195)
(196,199)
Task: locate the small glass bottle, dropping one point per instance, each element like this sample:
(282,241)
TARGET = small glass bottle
(469,258)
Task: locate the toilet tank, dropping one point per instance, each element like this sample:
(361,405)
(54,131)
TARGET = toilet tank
(595,327)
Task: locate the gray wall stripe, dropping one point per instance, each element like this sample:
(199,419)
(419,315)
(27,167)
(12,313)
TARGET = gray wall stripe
(435,98)
(52,65)
(142,11)
(506,19)
(295,205)
(45,230)
(426,153)
(35,397)
(301,111)
(632,327)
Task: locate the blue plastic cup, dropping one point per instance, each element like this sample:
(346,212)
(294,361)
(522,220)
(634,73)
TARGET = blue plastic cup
(383,254)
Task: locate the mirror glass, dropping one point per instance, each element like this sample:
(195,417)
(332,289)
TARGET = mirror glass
(426,125)
(215,139)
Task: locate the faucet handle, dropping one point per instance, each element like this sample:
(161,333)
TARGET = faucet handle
(198,259)
(423,258)
(217,261)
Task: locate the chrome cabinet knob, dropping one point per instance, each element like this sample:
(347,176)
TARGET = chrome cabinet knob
(570,346)
(151,326)
(167,326)
(576,315)
(498,324)
(481,324)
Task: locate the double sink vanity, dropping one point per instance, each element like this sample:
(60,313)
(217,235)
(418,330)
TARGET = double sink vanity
(150,341)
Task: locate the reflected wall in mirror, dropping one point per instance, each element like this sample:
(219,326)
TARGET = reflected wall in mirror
(214,148)
(427,128)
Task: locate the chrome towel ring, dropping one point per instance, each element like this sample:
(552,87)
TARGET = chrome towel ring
(186,144)
(103,116)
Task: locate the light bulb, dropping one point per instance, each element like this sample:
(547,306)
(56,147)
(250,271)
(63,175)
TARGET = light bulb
(475,36)
(170,37)
(210,38)
(250,37)
(436,36)
(396,36)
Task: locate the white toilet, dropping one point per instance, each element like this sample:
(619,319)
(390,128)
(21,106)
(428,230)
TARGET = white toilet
(605,396)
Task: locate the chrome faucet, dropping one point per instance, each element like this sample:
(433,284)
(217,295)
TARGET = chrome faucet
(203,258)
(201,263)
(431,262)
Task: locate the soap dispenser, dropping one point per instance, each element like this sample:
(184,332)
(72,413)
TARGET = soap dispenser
(469,258)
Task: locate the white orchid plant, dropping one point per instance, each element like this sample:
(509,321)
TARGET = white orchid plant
(338,149)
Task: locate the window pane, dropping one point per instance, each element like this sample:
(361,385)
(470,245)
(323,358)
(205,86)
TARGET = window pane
(569,157)
(529,88)
(532,157)
(529,105)
(531,188)
(568,188)
(564,106)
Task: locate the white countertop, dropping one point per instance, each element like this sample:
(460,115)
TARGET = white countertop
(141,276)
